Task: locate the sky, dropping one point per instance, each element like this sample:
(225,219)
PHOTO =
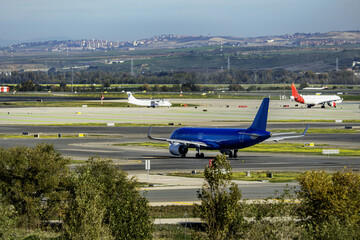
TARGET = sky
(127,20)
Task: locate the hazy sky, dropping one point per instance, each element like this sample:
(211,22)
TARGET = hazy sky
(136,19)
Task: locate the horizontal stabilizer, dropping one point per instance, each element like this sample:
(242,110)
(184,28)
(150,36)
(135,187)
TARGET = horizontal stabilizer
(172,140)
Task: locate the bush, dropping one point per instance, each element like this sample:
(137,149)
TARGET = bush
(103,199)
(220,209)
(34,181)
(330,205)
(8,220)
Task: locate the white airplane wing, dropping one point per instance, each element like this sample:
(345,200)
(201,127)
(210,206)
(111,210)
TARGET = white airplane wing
(327,101)
(170,140)
(281,136)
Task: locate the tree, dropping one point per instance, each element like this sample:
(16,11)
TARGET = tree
(27,86)
(63,85)
(303,85)
(251,88)
(219,207)
(330,205)
(85,215)
(104,194)
(145,87)
(8,219)
(236,87)
(34,181)
(164,88)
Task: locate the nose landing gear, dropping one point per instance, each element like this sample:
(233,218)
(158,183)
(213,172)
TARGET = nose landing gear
(230,153)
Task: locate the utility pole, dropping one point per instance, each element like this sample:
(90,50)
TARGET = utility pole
(72,79)
(228,63)
(132,68)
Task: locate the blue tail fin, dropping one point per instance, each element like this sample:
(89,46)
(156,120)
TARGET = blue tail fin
(260,120)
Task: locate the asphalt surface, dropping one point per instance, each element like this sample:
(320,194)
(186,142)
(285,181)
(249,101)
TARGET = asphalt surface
(260,191)
(131,158)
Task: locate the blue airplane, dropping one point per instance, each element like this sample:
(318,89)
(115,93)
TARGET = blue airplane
(227,140)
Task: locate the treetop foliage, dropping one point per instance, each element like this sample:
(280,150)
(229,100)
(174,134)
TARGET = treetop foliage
(28,176)
(96,201)
(107,201)
(219,207)
(29,81)
(330,204)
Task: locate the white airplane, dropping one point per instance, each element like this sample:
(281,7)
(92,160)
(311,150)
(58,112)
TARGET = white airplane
(148,103)
(316,88)
(312,100)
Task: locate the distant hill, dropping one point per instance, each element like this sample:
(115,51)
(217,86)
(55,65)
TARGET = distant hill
(317,52)
(180,41)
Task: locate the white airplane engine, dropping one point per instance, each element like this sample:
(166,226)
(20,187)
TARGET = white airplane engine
(332,104)
(178,149)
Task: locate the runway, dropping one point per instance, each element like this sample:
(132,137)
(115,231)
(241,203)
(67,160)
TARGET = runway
(131,158)
(208,112)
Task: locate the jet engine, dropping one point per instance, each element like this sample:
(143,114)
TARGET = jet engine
(178,149)
(332,104)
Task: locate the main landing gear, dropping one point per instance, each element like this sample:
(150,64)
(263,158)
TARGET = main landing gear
(199,154)
(231,153)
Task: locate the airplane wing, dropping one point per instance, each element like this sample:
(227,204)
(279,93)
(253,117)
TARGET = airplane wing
(280,136)
(171,140)
(326,101)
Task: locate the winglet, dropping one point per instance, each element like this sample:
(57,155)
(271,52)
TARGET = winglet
(155,138)
(303,134)
(149,133)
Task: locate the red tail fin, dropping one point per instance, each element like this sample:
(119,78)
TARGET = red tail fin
(294,92)
(296,95)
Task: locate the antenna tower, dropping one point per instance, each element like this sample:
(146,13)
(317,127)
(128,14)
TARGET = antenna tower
(132,67)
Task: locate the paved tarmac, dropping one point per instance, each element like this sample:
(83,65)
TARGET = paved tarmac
(211,112)
(170,190)
(131,158)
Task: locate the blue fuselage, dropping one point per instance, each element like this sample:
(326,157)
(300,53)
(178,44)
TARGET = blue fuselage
(221,138)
